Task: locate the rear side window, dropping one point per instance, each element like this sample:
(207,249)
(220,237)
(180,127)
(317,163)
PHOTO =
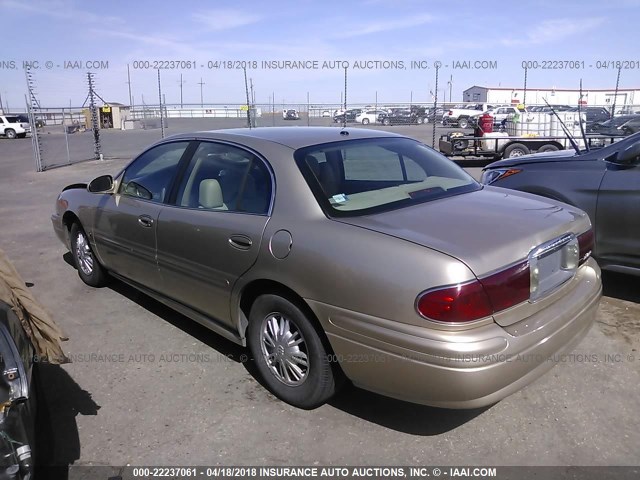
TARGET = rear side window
(358,177)
(225,178)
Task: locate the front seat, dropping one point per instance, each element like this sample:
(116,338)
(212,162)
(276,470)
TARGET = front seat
(210,195)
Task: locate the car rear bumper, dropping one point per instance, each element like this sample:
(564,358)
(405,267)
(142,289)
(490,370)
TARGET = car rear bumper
(464,369)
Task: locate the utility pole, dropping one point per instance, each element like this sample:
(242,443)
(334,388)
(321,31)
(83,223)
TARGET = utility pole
(160,101)
(450,83)
(1,108)
(129,84)
(201,83)
(181,83)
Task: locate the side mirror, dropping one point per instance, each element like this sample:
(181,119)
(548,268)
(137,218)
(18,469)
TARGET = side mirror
(101,184)
(629,156)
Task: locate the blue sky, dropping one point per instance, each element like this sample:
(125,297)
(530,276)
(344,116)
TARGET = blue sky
(359,30)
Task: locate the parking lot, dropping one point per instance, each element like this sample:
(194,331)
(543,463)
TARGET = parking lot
(148,386)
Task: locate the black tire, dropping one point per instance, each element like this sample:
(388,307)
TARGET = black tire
(548,148)
(420,120)
(516,150)
(10,133)
(463,122)
(318,381)
(460,144)
(89,269)
(386,121)
(365,121)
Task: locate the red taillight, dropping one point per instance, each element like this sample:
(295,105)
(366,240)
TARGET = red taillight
(508,287)
(479,298)
(450,112)
(585,244)
(462,303)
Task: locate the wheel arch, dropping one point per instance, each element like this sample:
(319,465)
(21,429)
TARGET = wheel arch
(258,287)
(69,218)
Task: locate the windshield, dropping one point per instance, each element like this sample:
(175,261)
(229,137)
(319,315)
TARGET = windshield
(616,121)
(367,176)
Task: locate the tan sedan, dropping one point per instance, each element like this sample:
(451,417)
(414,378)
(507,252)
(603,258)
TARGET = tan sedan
(340,254)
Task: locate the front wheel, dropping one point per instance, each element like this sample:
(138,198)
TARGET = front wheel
(289,353)
(365,121)
(386,121)
(420,120)
(89,269)
(463,123)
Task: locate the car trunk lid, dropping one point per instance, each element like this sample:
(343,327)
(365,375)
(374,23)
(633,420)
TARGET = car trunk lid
(488,230)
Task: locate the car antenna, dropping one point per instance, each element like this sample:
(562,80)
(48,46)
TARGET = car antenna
(584,136)
(564,128)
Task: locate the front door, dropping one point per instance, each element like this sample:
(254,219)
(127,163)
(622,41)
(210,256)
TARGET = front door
(618,215)
(125,229)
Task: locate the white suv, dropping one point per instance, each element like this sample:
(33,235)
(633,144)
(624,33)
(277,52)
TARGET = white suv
(370,116)
(14,126)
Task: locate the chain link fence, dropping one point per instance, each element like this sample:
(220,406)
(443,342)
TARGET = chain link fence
(99,128)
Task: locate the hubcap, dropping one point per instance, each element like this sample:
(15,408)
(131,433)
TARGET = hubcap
(83,254)
(284,349)
(516,153)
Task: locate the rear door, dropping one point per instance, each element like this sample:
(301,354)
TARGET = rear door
(212,233)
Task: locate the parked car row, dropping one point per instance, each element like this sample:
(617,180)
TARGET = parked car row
(415,115)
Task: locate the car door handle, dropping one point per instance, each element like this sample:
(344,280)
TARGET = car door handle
(241,242)
(145,221)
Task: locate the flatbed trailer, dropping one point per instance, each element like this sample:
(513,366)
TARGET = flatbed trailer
(452,145)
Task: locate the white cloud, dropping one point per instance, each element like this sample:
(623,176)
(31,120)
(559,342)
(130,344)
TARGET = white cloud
(225,19)
(384,26)
(62,9)
(550,31)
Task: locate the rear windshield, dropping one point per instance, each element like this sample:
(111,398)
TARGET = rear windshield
(15,119)
(358,177)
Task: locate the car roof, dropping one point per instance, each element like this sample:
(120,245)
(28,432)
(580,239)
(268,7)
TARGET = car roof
(293,137)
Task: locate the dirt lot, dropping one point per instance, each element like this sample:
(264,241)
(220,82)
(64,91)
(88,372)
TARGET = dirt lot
(148,386)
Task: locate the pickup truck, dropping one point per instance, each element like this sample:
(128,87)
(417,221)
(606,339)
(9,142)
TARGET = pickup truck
(464,115)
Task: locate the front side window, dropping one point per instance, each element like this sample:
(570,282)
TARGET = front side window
(224,177)
(150,176)
(365,176)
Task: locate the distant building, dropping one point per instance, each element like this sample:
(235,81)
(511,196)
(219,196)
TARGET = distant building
(555,96)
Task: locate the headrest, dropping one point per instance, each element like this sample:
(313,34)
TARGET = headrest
(210,193)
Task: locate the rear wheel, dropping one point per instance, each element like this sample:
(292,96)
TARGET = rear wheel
(89,269)
(10,133)
(386,121)
(289,353)
(420,120)
(463,122)
(365,121)
(548,148)
(516,150)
